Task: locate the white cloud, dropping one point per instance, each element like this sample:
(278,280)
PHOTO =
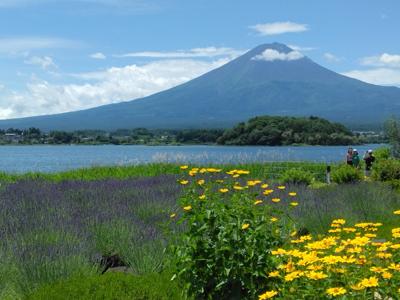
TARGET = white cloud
(23,44)
(380,76)
(331,57)
(192,53)
(98,88)
(279,28)
(383,60)
(45,62)
(98,55)
(300,48)
(271,55)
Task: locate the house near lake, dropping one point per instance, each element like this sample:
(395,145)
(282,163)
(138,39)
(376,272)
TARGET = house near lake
(12,138)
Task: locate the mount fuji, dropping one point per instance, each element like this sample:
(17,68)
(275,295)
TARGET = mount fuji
(271,79)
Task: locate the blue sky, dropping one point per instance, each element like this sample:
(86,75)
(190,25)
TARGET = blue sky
(59,55)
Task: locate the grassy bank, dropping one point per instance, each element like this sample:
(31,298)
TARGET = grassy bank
(266,170)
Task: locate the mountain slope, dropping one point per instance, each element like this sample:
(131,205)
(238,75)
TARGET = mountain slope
(244,88)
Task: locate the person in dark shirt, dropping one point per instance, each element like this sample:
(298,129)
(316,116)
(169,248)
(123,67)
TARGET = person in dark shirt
(369,158)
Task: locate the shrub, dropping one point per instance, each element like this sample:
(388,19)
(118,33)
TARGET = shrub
(346,174)
(382,153)
(109,286)
(297,176)
(386,170)
(226,249)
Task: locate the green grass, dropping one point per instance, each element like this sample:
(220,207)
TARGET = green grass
(359,202)
(111,286)
(141,255)
(270,170)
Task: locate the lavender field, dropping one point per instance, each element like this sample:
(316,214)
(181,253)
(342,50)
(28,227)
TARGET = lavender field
(51,231)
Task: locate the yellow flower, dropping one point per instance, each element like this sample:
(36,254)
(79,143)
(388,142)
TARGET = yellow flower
(395,267)
(264,186)
(238,187)
(201,182)
(224,190)
(292,194)
(383,255)
(281,187)
(397,212)
(184,167)
(293,275)
(242,172)
(396,233)
(267,192)
(253,182)
(339,221)
(273,274)
(387,275)
(213,170)
(336,291)
(370,235)
(202,197)
(349,229)
(267,295)
(245,226)
(294,203)
(316,275)
(273,219)
(187,208)
(172,216)
(275,200)
(258,202)
(357,287)
(279,251)
(184,182)
(369,282)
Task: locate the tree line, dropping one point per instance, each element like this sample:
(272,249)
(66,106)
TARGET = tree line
(277,131)
(264,130)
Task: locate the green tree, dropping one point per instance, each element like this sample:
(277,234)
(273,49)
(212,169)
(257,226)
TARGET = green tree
(392,131)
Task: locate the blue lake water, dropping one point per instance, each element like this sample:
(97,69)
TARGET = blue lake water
(20,159)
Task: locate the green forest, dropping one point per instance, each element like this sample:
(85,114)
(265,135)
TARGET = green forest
(276,131)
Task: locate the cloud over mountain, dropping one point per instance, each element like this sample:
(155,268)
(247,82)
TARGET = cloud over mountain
(271,55)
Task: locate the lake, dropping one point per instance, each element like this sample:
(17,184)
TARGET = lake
(48,158)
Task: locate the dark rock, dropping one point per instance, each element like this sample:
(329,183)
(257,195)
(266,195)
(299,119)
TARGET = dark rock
(112,261)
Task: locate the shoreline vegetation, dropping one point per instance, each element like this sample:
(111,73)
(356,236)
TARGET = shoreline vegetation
(259,131)
(269,170)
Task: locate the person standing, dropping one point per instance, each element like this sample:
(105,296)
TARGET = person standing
(349,156)
(369,158)
(356,159)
